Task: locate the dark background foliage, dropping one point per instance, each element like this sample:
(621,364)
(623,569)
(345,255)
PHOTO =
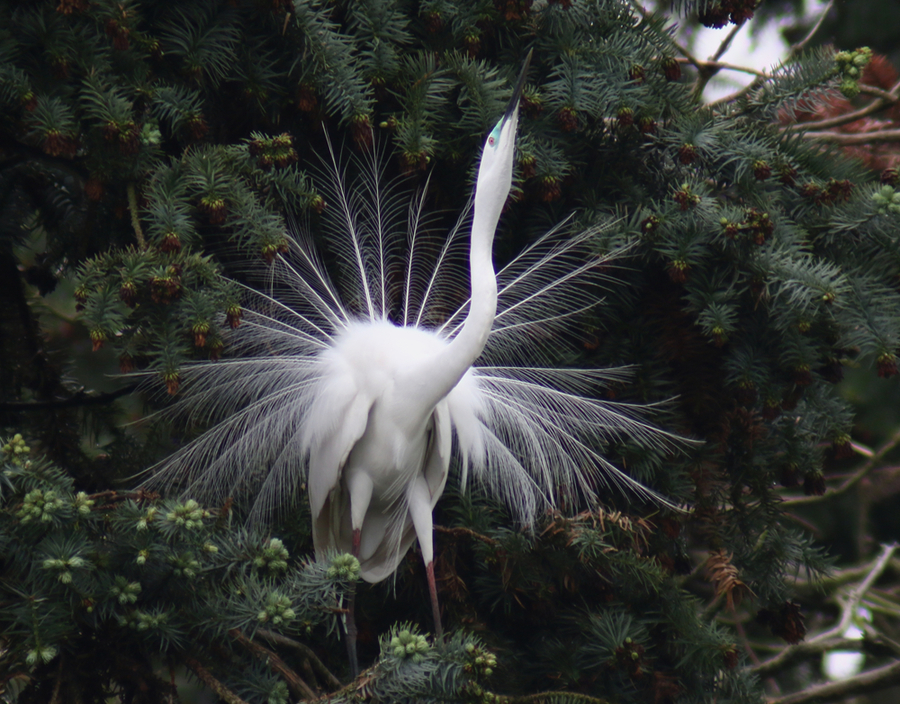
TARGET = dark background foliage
(150,153)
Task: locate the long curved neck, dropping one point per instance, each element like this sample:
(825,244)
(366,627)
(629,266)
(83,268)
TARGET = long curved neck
(435,378)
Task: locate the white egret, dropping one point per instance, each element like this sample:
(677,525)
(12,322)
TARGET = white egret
(358,390)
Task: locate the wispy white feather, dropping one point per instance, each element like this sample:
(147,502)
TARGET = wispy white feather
(524,430)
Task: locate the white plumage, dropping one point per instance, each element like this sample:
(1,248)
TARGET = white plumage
(361,386)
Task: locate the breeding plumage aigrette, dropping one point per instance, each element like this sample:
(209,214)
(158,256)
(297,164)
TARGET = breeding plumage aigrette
(357,385)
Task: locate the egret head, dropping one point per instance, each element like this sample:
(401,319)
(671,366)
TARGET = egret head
(495,168)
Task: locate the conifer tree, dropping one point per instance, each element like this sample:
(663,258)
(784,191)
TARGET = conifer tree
(150,152)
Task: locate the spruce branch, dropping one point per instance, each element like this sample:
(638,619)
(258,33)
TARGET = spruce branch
(870,464)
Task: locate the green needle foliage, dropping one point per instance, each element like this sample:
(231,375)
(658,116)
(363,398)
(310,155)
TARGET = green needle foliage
(153,152)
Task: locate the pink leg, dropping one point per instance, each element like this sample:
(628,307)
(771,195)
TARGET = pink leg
(435,609)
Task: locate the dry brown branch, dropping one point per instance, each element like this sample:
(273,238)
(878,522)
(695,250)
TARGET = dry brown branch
(295,683)
(725,578)
(206,677)
(465,531)
(307,652)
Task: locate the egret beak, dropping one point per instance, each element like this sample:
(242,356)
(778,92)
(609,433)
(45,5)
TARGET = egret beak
(517,91)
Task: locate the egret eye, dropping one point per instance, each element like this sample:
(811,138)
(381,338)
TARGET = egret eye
(491,141)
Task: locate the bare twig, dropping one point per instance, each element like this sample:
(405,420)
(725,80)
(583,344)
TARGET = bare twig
(848,139)
(296,684)
(833,637)
(307,652)
(889,96)
(683,50)
(135,220)
(79,398)
(857,476)
(801,45)
(802,650)
(792,52)
(726,42)
(871,681)
(849,609)
(883,102)
(839,578)
(207,678)
(714,66)
(861,449)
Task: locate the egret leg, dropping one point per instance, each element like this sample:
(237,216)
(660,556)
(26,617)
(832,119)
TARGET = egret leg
(435,608)
(360,488)
(351,617)
(419,500)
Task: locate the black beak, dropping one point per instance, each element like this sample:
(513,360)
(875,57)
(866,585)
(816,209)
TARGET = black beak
(517,92)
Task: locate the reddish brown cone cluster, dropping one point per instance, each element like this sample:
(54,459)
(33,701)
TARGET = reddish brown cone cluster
(361,130)
(629,658)
(58,144)
(567,118)
(685,198)
(886,365)
(166,287)
(233,314)
(549,189)
(306,98)
(119,35)
(833,192)
(785,621)
(687,154)
(814,484)
(215,208)
(678,271)
(128,292)
(671,68)
(761,170)
(126,135)
(512,10)
(275,151)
